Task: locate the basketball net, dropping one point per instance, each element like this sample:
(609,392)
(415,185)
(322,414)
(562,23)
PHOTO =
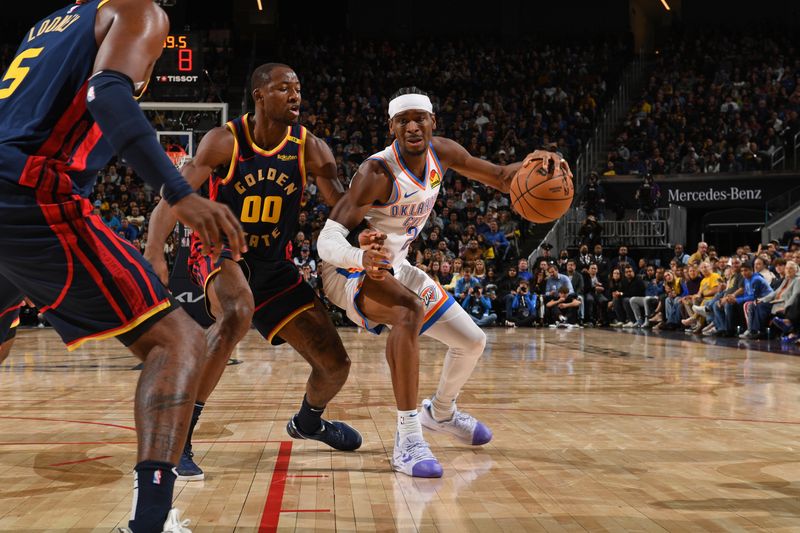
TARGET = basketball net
(178,158)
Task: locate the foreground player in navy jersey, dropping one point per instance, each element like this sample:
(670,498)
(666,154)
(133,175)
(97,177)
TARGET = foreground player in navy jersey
(66,105)
(256,164)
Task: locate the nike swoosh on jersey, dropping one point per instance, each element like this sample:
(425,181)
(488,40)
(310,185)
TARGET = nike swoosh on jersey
(406,195)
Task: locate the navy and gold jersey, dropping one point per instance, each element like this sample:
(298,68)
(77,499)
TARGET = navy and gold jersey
(48,139)
(264,189)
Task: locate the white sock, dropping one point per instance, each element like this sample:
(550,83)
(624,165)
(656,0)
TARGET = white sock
(408,423)
(442,411)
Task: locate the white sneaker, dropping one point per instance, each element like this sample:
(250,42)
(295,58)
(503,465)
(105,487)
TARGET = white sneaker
(553,326)
(510,324)
(413,457)
(464,426)
(629,325)
(616,324)
(748,335)
(173,524)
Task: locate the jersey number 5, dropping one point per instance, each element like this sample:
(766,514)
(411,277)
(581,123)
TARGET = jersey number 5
(16,72)
(254,209)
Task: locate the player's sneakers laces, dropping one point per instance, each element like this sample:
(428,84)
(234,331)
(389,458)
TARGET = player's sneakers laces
(335,434)
(414,458)
(187,469)
(463,425)
(173,524)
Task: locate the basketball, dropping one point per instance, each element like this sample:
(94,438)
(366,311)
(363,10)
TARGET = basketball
(540,196)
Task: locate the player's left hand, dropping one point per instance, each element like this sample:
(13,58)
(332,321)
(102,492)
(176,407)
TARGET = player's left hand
(371,239)
(549,160)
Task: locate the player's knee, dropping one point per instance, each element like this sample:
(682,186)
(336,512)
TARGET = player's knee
(236,318)
(475,342)
(411,314)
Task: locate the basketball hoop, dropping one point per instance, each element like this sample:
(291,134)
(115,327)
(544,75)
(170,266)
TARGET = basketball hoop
(178,158)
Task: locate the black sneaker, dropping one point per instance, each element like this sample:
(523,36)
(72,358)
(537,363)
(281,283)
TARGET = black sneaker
(187,469)
(335,434)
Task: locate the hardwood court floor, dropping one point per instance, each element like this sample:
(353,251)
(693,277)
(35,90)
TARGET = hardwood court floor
(594,430)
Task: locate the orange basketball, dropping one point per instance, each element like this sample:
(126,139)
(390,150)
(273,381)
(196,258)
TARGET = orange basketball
(539,196)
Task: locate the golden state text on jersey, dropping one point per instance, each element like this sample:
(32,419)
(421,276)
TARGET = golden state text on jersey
(264,188)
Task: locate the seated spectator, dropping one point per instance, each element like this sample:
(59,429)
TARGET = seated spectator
(630,286)
(110,220)
(622,259)
(734,286)
(755,287)
(645,306)
(127,231)
(576,278)
(700,255)
(562,311)
(456,267)
(522,270)
(760,265)
(710,285)
(545,255)
(472,252)
(681,257)
(465,283)
(305,259)
(554,281)
(773,304)
(561,262)
(497,240)
(584,259)
(445,274)
(674,291)
(479,271)
(478,306)
(595,300)
(521,306)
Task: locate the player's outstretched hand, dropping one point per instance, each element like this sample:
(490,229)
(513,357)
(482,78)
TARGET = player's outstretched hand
(212,221)
(548,159)
(376,263)
(371,239)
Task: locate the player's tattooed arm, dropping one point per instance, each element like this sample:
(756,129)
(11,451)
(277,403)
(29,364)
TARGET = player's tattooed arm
(453,155)
(320,163)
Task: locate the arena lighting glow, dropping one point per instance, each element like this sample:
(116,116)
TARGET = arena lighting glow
(663,3)
(261,8)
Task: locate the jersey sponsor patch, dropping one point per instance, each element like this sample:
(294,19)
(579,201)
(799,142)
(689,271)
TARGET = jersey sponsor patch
(435,179)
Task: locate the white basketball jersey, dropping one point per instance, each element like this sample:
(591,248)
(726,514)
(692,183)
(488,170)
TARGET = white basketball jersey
(411,202)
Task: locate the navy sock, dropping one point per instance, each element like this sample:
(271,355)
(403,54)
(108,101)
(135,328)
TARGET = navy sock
(198,409)
(153,484)
(309,418)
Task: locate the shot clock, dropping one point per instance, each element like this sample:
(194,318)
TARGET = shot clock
(180,64)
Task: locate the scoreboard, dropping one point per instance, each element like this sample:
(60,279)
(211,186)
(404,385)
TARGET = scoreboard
(180,65)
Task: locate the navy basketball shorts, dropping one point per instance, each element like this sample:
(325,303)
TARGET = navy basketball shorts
(88,282)
(279,292)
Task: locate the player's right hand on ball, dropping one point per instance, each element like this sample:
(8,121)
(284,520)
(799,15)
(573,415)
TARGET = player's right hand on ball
(212,221)
(376,263)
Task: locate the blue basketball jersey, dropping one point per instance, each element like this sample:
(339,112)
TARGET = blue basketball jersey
(264,189)
(48,139)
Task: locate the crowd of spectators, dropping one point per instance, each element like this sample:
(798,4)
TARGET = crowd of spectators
(752,294)
(713,103)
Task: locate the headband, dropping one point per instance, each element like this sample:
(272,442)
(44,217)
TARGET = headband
(404,102)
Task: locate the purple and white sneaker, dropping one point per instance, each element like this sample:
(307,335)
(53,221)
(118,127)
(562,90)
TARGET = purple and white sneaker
(412,456)
(464,426)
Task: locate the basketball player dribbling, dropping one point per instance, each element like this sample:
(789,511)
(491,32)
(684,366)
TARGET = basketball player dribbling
(263,159)
(67,103)
(395,190)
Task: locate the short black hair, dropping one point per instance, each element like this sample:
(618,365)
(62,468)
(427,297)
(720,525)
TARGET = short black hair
(408,90)
(261,74)
(748,265)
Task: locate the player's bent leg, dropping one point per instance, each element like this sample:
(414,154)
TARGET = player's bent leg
(389,302)
(314,336)
(230,302)
(465,342)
